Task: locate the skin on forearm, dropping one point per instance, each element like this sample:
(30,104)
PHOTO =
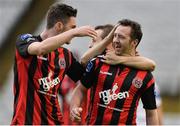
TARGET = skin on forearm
(94,51)
(50,44)
(77,96)
(138,62)
(160,115)
(152,117)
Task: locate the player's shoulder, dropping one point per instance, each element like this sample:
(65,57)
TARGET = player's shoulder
(94,63)
(64,49)
(26,37)
(97,58)
(142,71)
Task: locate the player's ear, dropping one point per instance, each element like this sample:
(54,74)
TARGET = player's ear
(135,43)
(59,26)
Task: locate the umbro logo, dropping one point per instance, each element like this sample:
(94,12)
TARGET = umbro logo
(106,73)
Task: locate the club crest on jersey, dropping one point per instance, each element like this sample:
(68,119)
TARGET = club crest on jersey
(62,63)
(137,82)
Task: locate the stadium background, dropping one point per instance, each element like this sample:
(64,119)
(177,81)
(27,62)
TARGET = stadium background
(160,20)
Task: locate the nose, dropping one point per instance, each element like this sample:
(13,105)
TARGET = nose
(115,38)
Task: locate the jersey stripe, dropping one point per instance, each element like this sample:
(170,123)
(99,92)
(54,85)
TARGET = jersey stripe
(66,57)
(16,87)
(119,103)
(132,112)
(44,71)
(118,81)
(37,103)
(106,85)
(92,93)
(56,73)
(30,92)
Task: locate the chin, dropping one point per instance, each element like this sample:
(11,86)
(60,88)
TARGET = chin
(67,43)
(118,53)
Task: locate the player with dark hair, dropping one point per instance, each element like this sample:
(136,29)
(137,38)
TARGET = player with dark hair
(41,64)
(116,89)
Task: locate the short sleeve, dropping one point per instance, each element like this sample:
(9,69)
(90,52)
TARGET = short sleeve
(89,75)
(75,71)
(22,43)
(148,97)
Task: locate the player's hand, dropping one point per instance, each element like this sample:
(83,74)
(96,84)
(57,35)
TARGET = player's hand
(85,31)
(76,114)
(111,58)
(111,34)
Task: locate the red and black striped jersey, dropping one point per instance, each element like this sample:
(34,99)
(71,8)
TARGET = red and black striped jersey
(37,80)
(115,92)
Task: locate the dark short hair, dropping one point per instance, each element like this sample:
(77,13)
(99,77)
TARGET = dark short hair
(59,12)
(136,32)
(105,28)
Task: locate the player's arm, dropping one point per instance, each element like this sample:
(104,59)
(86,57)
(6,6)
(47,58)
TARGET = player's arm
(151,117)
(149,101)
(77,97)
(98,48)
(52,43)
(160,114)
(80,90)
(75,70)
(159,104)
(138,62)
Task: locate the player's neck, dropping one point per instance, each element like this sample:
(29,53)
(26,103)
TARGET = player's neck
(47,33)
(131,53)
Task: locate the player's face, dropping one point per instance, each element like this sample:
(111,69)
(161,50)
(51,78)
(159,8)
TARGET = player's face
(122,40)
(98,39)
(70,25)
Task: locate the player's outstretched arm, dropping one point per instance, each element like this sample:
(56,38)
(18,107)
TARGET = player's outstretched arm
(77,97)
(52,43)
(151,117)
(98,48)
(138,62)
